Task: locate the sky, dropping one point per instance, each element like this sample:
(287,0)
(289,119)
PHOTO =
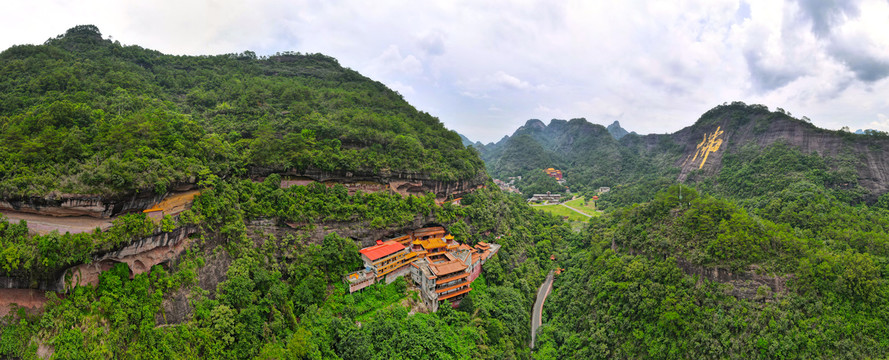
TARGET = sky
(485,67)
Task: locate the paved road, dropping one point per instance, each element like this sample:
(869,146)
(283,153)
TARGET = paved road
(542,293)
(575,210)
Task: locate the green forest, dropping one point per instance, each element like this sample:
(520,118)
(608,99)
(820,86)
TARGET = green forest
(776,253)
(82,114)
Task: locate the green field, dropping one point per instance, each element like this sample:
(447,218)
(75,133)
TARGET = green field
(589,208)
(560,210)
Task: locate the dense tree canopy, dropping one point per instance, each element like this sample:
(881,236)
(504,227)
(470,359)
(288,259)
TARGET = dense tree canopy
(80,114)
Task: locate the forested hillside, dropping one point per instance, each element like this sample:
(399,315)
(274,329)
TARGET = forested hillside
(749,234)
(774,247)
(262,272)
(84,115)
(589,155)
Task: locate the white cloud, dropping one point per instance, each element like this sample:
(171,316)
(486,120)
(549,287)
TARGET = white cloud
(391,61)
(881,124)
(484,67)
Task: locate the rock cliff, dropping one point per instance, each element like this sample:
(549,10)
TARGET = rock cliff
(727,128)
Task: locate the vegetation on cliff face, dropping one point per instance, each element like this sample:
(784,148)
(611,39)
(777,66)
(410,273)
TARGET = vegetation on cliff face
(85,115)
(284,297)
(830,300)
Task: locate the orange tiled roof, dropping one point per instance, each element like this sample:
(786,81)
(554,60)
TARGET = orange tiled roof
(384,249)
(431,243)
(152,210)
(447,267)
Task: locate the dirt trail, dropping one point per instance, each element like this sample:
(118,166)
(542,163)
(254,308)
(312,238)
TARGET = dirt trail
(542,293)
(44,224)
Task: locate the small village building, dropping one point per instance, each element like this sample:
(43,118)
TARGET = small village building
(545,197)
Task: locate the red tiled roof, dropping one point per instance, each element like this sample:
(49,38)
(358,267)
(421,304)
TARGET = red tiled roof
(384,249)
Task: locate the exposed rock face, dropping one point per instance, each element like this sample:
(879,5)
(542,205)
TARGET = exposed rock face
(360,231)
(176,308)
(744,283)
(45,224)
(729,129)
(140,256)
(81,205)
(402,183)
(96,206)
(29,299)
(616,131)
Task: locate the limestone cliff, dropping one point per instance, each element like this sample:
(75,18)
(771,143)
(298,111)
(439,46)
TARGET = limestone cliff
(727,128)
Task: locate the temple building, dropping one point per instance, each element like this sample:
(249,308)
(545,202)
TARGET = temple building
(557,174)
(387,261)
(441,267)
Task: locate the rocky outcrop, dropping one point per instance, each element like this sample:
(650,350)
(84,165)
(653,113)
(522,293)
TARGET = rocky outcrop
(400,182)
(140,256)
(750,284)
(176,307)
(729,127)
(97,206)
(45,224)
(360,231)
(29,299)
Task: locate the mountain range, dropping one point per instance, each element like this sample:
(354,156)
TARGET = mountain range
(591,157)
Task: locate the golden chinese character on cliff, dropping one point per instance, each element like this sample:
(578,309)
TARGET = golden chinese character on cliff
(709,144)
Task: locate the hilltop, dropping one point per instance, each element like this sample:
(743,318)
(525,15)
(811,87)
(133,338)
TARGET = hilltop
(82,115)
(212,207)
(705,152)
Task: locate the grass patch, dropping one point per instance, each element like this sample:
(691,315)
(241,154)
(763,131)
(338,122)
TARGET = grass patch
(366,302)
(562,211)
(589,208)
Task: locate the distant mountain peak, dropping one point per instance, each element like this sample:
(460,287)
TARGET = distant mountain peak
(616,131)
(534,124)
(466,141)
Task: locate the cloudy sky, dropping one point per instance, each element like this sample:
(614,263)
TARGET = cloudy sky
(485,67)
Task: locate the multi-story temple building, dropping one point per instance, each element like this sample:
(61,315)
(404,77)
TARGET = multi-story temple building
(441,267)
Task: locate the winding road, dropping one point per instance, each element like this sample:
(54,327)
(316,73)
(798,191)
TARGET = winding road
(542,293)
